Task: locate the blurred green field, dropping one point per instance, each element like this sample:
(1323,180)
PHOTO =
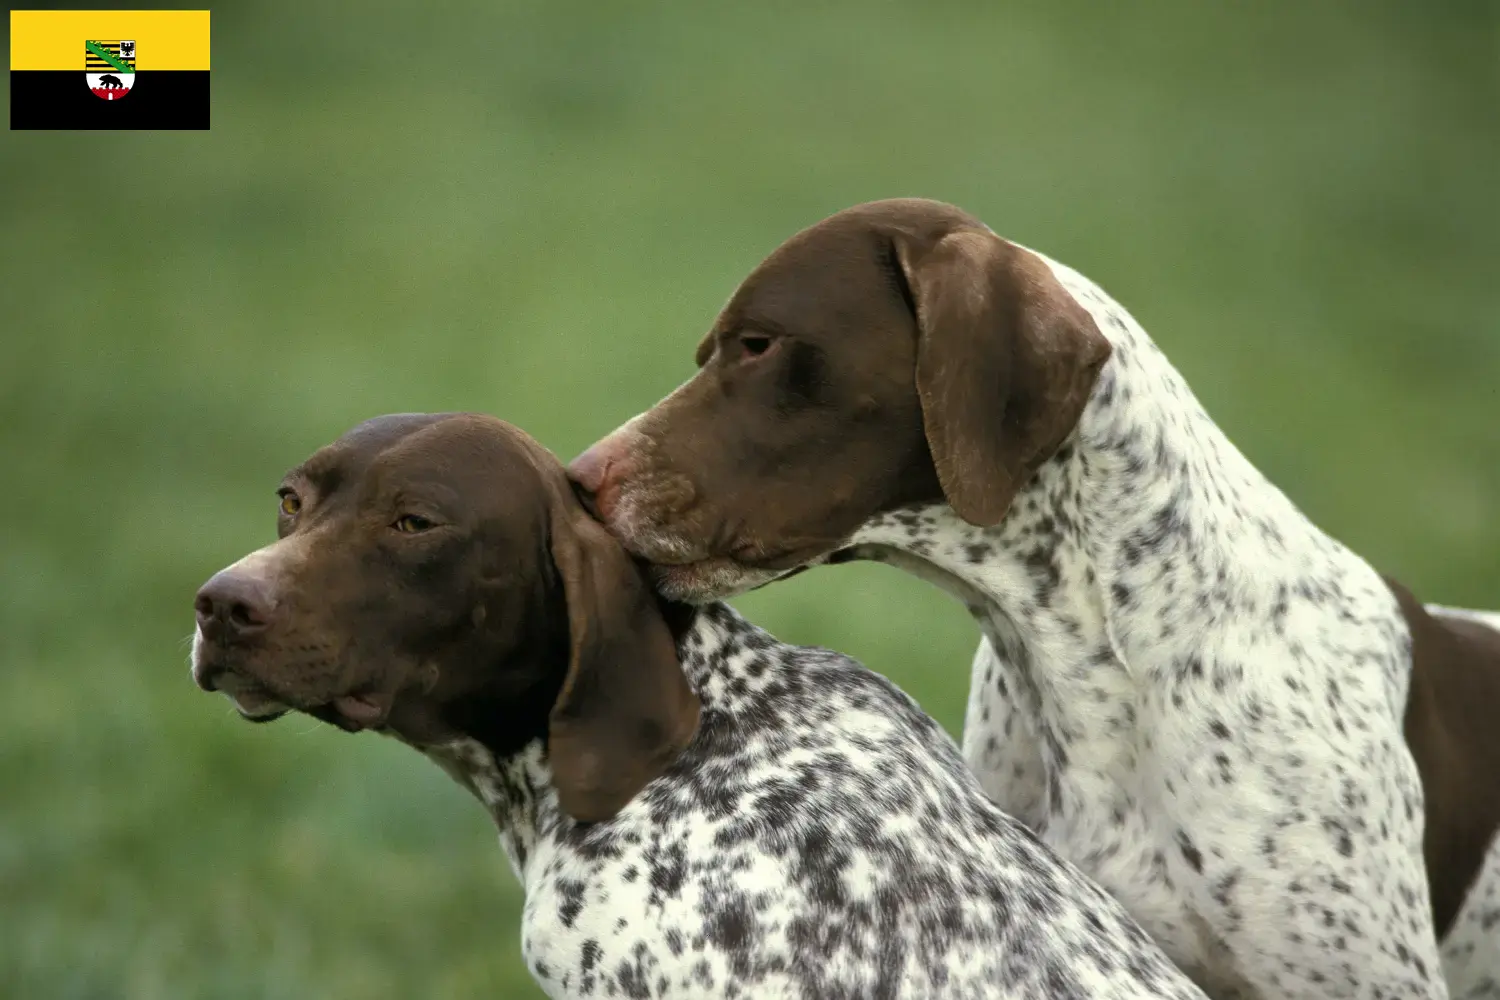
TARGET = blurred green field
(534,210)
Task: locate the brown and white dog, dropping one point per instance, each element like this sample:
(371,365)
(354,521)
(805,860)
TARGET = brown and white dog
(1283,764)
(695,810)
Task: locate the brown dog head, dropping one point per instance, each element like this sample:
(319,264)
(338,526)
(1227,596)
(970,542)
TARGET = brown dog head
(897,352)
(434,576)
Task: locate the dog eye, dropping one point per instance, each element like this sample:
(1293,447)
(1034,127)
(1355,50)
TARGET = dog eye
(756,344)
(290,502)
(411,524)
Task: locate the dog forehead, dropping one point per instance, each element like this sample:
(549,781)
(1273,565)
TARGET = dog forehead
(826,272)
(472,455)
(462,452)
(348,457)
(818,277)
(915,219)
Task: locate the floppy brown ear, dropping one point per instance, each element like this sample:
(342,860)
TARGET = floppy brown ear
(625,710)
(1006,360)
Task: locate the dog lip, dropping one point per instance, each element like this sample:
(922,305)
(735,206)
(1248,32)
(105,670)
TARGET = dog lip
(254,703)
(707,579)
(655,555)
(251,699)
(785,576)
(698,567)
(785,562)
(206,670)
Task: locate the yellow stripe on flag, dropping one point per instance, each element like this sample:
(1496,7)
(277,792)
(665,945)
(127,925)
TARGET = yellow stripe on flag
(53,39)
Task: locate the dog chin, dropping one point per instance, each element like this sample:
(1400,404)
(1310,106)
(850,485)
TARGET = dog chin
(254,707)
(263,715)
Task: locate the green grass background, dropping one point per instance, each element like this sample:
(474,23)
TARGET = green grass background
(534,210)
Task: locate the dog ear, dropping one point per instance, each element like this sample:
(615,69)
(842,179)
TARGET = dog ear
(625,710)
(1006,360)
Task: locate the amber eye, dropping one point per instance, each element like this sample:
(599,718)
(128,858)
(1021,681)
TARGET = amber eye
(290,503)
(411,524)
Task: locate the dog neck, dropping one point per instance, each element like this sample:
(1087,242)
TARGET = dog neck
(515,790)
(515,786)
(1146,531)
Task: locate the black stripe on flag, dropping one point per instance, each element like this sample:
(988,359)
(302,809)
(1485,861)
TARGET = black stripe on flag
(61,99)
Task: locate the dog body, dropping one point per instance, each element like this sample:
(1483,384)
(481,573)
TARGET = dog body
(1209,718)
(761,821)
(1184,686)
(821,837)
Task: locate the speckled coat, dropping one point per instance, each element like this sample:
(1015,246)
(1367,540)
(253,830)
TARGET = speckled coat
(1196,695)
(820,839)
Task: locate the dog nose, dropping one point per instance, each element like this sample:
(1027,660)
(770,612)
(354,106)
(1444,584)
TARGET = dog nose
(589,469)
(234,605)
(597,474)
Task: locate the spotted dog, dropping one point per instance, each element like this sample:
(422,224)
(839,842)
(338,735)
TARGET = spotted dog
(694,809)
(1222,714)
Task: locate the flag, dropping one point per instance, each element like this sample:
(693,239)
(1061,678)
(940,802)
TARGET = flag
(92,69)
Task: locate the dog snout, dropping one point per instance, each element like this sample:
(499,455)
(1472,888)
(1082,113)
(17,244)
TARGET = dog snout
(234,605)
(598,473)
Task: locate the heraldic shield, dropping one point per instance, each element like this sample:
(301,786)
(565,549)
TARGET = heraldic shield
(110,68)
